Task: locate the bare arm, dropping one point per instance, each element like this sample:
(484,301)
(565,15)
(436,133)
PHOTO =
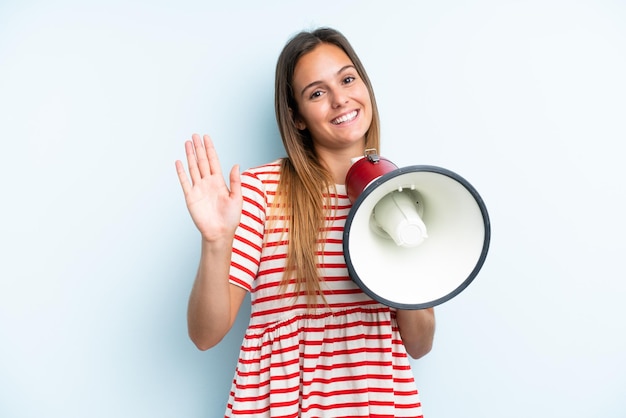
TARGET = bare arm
(417,329)
(216,211)
(214,302)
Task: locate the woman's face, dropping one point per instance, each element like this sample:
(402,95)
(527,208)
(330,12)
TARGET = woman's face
(333,101)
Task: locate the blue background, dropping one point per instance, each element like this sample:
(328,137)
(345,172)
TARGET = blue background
(525,99)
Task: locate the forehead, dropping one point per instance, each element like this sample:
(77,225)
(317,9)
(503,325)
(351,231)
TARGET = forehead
(323,62)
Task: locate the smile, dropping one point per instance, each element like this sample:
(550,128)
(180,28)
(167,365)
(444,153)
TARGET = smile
(345,118)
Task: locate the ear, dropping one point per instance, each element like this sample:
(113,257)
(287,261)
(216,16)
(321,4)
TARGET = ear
(300,125)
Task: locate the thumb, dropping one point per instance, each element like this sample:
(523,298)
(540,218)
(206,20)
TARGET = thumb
(235,182)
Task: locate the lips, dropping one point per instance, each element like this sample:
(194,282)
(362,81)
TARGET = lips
(345,118)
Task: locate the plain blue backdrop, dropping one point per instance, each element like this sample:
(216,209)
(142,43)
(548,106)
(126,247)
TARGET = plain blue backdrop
(525,99)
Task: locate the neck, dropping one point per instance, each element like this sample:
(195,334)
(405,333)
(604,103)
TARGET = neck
(338,163)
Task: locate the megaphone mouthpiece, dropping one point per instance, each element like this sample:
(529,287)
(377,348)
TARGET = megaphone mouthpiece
(397,215)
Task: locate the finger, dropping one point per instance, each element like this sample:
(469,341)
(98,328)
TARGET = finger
(182,177)
(201,156)
(211,153)
(235,182)
(192,162)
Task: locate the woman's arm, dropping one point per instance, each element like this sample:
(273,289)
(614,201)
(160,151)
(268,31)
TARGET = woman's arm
(214,302)
(216,211)
(417,329)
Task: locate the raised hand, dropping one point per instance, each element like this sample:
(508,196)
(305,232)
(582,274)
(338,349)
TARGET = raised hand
(214,208)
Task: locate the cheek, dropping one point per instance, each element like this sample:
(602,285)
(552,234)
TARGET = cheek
(366,96)
(315,112)
(370,109)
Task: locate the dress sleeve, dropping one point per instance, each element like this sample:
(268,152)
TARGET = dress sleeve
(248,242)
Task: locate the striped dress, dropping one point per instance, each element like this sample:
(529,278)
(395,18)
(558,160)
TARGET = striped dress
(341,360)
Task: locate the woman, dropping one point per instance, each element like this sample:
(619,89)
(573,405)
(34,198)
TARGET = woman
(316,345)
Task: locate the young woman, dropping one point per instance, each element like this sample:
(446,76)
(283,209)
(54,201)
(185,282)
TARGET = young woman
(316,344)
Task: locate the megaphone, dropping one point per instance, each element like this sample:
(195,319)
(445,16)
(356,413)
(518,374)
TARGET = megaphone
(415,236)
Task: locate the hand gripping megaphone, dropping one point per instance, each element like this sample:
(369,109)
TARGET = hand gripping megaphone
(415,236)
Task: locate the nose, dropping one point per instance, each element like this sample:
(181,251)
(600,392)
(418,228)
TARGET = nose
(339,98)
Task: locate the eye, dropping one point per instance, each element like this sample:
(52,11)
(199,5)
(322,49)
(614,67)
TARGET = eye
(349,79)
(316,94)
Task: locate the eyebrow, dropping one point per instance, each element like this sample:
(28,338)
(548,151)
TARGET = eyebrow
(342,69)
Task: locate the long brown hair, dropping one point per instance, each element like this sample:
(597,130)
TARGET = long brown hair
(303,178)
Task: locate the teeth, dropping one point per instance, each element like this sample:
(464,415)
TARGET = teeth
(345,118)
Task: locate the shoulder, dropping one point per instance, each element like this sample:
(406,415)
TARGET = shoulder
(262,181)
(266,174)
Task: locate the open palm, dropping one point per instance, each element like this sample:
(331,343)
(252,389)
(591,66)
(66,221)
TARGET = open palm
(214,208)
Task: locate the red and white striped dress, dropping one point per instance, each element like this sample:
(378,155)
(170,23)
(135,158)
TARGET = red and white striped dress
(341,360)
